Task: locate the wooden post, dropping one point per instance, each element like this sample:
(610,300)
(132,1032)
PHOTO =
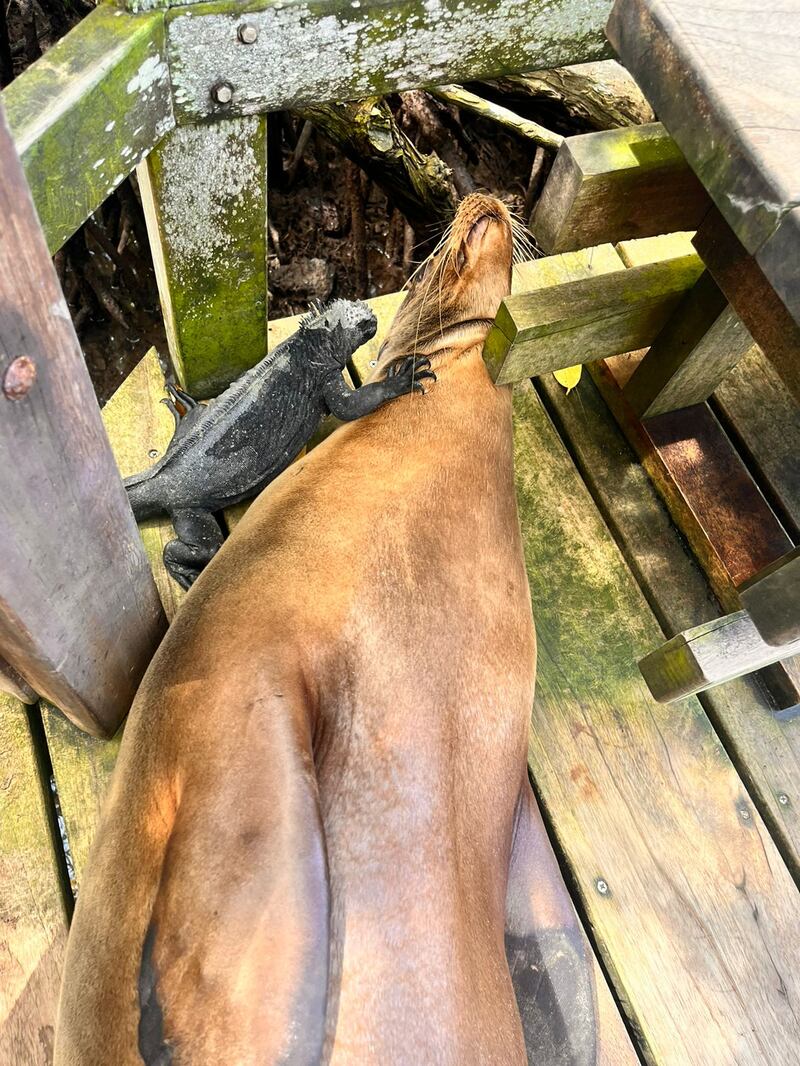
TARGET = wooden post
(694,351)
(79,613)
(204,191)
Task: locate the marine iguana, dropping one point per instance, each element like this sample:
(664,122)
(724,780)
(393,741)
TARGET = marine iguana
(228,450)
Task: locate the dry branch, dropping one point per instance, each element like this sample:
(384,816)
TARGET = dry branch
(532,131)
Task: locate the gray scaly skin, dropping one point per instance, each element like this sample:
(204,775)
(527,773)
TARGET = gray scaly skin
(230,449)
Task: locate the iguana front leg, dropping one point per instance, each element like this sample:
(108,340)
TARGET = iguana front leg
(198,540)
(402,377)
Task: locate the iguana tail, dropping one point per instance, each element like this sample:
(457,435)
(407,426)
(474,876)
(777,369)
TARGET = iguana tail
(143,495)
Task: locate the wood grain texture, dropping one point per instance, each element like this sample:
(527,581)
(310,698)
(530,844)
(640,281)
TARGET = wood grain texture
(750,292)
(16,685)
(79,613)
(699,344)
(763,418)
(725,81)
(139,428)
(204,193)
(708,655)
(330,50)
(615,185)
(558,326)
(87,112)
(33,916)
(777,259)
(764,748)
(690,904)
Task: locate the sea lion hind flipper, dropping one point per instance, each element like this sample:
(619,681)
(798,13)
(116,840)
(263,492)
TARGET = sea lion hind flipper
(233,964)
(548,956)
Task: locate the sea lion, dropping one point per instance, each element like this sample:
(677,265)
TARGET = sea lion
(320,843)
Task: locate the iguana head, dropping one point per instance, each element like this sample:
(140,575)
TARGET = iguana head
(336,330)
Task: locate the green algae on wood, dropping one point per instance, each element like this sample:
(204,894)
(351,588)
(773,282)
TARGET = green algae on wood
(615,185)
(313,51)
(139,428)
(86,113)
(681,883)
(557,326)
(33,913)
(205,198)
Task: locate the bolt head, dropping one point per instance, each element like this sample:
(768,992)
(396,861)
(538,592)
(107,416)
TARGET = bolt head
(248,33)
(222,92)
(783,799)
(602,887)
(19,377)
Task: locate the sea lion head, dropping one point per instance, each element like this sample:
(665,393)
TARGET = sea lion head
(454,296)
(337,329)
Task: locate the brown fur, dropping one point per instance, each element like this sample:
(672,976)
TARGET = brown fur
(315,798)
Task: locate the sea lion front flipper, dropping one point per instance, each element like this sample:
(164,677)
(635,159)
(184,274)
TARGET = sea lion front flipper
(548,955)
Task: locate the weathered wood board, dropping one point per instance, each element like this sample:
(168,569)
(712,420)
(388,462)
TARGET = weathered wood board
(772,599)
(750,292)
(204,191)
(558,326)
(87,112)
(140,428)
(701,342)
(33,912)
(79,613)
(689,901)
(329,50)
(725,81)
(764,748)
(615,185)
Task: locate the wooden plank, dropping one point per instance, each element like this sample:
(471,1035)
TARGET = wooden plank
(591,318)
(708,655)
(205,198)
(79,613)
(772,599)
(725,81)
(308,52)
(615,185)
(749,291)
(700,343)
(139,428)
(87,112)
(33,915)
(777,259)
(764,748)
(690,904)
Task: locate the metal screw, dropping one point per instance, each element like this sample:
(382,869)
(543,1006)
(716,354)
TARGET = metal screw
(153,453)
(222,92)
(745,814)
(248,33)
(602,887)
(783,799)
(19,376)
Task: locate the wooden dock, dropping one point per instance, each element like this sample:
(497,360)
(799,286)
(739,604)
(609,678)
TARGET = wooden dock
(677,826)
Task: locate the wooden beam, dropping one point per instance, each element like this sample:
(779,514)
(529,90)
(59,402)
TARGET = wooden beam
(204,192)
(614,185)
(750,292)
(33,902)
(79,613)
(311,52)
(15,684)
(725,80)
(139,429)
(580,321)
(772,599)
(700,343)
(708,655)
(85,114)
